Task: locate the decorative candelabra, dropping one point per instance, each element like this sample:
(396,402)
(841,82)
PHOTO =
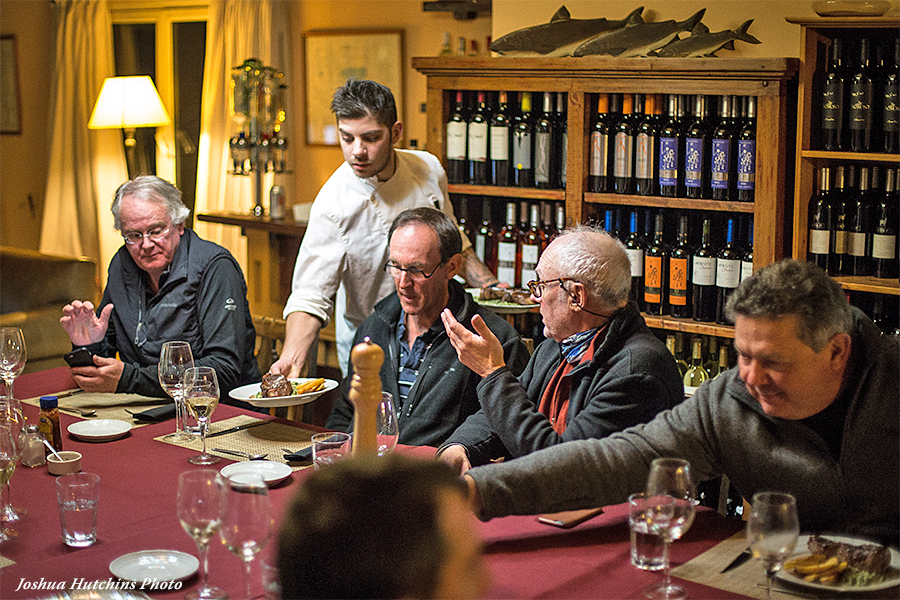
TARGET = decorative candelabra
(258,112)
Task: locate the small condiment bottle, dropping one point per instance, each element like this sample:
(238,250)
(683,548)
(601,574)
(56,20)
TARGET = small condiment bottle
(48,422)
(33,448)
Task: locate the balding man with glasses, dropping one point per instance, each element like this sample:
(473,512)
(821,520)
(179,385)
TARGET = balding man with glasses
(599,371)
(433,393)
(165,283)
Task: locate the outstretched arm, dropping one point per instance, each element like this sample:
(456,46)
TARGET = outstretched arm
(480,351)
(301,330)
(476,272)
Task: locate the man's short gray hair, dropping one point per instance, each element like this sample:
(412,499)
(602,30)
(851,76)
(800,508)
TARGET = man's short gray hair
(153,189)
(791,287)
(598,260)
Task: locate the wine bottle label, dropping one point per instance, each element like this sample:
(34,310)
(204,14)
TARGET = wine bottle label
(668,161)
(522,151)
(624,155)
(856,244)
(746,167)
(456,140)
(861,105)
(636,258)
(529,262)
(693,157)
(678,280)
(840,242)
(599,154)
(832,105)
(746,270)
(891,109)
(728,273)
(480,243)
(478,142)
(542,157)
(884,246)
(506,263)
(704,272)
(721,150)
(653,279)
(819,241)
(499,143)
(644,157)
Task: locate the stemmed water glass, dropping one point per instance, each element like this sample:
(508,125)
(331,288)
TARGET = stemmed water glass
(201,394)
(174,359)
(671,477)
(200,505)
(772,531)
(9,453)
(388,428)
(12,356)
(247,520)
(11,417)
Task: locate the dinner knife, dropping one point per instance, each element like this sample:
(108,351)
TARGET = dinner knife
(237,428)
(741,559)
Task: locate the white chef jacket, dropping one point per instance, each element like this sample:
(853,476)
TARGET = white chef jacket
(340,265)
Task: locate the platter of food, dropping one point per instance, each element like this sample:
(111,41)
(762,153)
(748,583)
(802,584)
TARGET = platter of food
(277,390)
(841,564)
(508,301)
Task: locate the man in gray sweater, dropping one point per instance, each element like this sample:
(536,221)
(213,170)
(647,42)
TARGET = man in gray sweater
(811,409)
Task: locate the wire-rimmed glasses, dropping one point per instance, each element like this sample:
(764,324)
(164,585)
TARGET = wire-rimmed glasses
(412,273)
(536,286)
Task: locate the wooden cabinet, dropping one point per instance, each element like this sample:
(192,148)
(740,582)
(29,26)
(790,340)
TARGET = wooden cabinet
(816,37)
(769,79)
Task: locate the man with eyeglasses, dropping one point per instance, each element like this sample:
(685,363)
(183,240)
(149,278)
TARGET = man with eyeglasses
(165,283)
(599,371)
(433,392)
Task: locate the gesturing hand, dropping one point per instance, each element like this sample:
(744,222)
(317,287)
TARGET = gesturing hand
(82,324)
(480,351)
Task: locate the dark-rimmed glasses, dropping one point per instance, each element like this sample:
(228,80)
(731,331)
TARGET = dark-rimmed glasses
(156,236)
(536,287)
(417,274)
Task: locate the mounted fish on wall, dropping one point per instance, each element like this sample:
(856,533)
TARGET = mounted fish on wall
(628,37)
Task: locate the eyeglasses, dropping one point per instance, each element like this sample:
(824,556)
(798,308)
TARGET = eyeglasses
(537,287)
(156,235)
(416,274)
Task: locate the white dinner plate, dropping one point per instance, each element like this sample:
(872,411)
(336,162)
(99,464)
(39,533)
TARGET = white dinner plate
(246,391)
(99,430)
(802,549)
(273,472)
(158,565)
(499,306)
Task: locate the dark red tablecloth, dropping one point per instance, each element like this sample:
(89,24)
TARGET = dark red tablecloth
(139,476)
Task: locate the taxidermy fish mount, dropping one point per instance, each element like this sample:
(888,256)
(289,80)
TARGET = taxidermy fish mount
(703,43)
(637,39)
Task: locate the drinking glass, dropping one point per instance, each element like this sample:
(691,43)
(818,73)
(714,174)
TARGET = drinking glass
(174,359)
(772,531)
(247,520)
(11,416)
(200,505)
(388,427)
(12,356)
(201,394)
(671,477)
(8,454)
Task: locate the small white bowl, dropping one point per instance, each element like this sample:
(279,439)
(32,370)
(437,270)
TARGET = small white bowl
(71,463)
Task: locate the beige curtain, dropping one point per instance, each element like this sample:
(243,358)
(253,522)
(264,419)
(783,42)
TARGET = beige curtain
(86,166)
(236,30)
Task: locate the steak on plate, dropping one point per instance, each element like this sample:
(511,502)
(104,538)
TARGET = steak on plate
(274,385)
(872,558)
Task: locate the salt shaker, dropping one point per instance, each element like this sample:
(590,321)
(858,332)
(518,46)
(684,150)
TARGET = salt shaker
(33,447)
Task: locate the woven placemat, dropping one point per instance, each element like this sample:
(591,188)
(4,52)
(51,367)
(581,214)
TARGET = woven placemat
(270,439)
(107,405)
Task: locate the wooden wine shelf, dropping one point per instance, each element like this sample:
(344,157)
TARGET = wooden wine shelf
(688,326)
(506,192)
(659,201)
(869,157)
(870,284)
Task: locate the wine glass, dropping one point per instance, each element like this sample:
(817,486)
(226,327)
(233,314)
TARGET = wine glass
(174,359)
(9,453)
(671,477)
(200,504)
(772,531)
(388,427)
(247,520)
(12,356)
(11,416)
(201,394)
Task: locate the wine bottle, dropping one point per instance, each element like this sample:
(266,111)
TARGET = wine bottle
(522,145)
(609,222)
(634,248)
(547,223)
(680,273)
(507,242)
(703,278)
(884,237)
(530,247)
(477,153)
(562,127)
(697,149)
(723,359)
(623,156)
(546,147)
(457,169)
(834,98)
(862,102)
(841,196)
(499,151)
(891,112)
(656,271)
(722,151)
(679,362)
(560,217)
(746,155)
(645,160)
(728,273)
(598,173)
(485,241)
(711,364)
(696,374)
(747,253)
(859,227)
(670,142)
(820,222)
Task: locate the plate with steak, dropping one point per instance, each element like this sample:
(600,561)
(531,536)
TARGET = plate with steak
(849,564)
(276,390)
(504,300)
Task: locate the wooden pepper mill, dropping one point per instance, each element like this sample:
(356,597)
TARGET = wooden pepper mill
(365,394)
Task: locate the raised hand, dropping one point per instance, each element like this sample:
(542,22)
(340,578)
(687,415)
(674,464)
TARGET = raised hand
(82,323)
(480,351)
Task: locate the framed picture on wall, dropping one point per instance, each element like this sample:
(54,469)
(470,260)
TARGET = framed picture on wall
(10,117)
(334,56)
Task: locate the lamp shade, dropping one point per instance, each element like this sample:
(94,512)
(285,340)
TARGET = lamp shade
(128,102)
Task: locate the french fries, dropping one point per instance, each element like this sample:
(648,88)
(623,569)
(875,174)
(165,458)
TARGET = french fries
(817,568)
(313,385)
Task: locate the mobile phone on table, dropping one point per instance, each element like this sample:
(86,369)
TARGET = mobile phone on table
(80,357)
(569,518)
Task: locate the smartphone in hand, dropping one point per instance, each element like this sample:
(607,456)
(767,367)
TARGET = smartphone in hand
(80,357)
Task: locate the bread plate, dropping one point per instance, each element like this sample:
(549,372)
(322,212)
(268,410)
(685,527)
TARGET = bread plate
(892,579)
(99,430)
(246,393)
(272,472)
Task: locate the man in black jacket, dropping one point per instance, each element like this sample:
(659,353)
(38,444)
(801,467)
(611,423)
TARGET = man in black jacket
(433,393)
(601,369)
